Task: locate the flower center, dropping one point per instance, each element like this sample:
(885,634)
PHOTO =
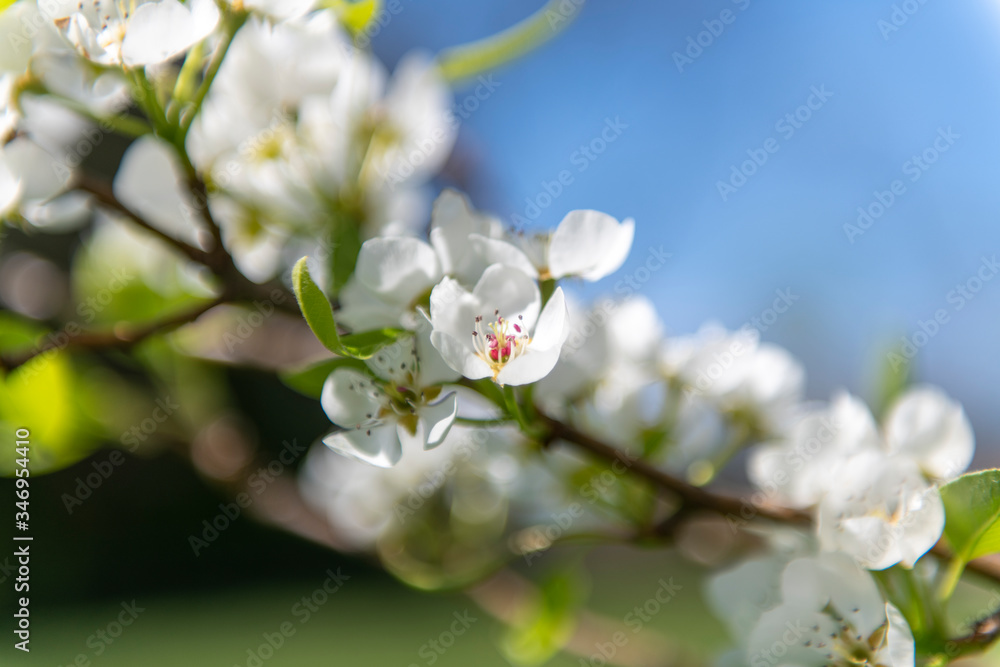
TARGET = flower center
(499,342)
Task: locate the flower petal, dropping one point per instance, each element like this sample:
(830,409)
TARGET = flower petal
(398,268)
(551,330)
(438,418)
(589,244)
(496,251)
(149,182)
(158,31)
(927,426)
(379,446)
(530,367)
(510,291)
(348,399)
(460,357)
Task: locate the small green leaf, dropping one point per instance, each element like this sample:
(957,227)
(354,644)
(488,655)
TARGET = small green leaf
(972,521)
(364,345)
(309,381)
(972,511)
(548,623)
(469,60)
(355,15)
(315,307)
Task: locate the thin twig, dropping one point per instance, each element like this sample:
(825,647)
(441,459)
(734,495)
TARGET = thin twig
(689,495)
(105,196)
(121,337)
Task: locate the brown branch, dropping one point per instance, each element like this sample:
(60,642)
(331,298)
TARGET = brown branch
(121,337)
(690,496)
(105,196)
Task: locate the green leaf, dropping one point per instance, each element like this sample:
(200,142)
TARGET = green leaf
(315,308)
(469,60)
(972,511)
(972,520)
(548,623)
(355,15)
(364,345)
(309,381)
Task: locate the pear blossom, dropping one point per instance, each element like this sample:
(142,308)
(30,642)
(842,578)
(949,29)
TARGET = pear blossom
(743,375)
(933,430)
(586,244)
(831,613)
(516,345)
(455,229)
(802,468)
(881,512)
(134,34)
(397,404)
(391,275)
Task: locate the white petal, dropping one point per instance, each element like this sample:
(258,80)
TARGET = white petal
(460,357)
(530,367)
(437,419)
(551,330)
(398,269)
(10,187)
(453,310)
(510,291)
(42,176)
(432,367)
(589,244)
(899,650)
(381,448)
(496,251)
(158,31)
(348,399)
(149,181)
(927,426)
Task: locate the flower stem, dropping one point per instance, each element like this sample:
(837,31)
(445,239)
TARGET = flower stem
(233,22)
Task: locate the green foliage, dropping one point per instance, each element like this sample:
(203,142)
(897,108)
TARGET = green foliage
(548,623)
(972,520)
(355,15)
(42,396)
(469,60)
(315,307)
(319,315)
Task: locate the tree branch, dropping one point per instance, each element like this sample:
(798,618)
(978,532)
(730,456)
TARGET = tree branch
(121,337)
(690,496)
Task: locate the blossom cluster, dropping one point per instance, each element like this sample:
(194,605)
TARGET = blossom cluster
(259,132)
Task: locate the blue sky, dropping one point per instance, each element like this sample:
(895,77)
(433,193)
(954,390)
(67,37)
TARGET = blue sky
(892,93)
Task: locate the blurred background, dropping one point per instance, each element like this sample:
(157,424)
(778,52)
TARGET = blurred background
(642,109)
